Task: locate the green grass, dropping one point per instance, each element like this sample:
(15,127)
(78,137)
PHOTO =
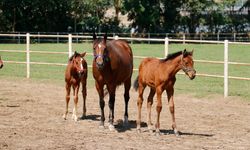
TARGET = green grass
(201,86)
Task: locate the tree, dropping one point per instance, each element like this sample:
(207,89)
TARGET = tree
(143,13)
(171,14)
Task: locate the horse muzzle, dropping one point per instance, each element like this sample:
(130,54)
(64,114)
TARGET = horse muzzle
(191,74)
(99,63)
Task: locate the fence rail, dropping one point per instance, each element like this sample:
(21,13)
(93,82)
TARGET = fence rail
(165,40)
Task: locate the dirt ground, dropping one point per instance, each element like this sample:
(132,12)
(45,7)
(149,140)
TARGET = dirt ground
(31,118)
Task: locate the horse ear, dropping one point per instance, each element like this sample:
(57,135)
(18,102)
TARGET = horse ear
(75,54)
(184,53)
(94,35)
(83,54)
(192,52)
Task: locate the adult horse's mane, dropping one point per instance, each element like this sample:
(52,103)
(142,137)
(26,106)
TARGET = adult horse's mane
(173,55)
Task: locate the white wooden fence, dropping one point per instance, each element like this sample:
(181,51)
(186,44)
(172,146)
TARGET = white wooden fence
(166,41)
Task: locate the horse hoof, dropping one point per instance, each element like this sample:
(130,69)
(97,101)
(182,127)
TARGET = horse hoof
(83,117)
(138,130)
(74,117)
(64,117)
(125,122)
(176,133)
(111,127)
(150,130)
(157,133)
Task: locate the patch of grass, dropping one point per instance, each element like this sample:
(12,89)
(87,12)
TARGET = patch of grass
(200,86)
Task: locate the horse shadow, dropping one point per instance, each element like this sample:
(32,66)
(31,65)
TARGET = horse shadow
(91,117)
(132,125)
(120,127)
(167,132)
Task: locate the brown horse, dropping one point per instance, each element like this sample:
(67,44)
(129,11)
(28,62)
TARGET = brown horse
(112,66)
(159,75)
(1,63)
(76,72)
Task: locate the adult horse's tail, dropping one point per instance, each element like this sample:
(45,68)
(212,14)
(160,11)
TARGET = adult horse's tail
(136,83)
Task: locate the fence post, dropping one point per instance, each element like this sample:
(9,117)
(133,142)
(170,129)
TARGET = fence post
(19,38)
(166,46)
(38,37)
(148,38)
(183,37)
(70,44)
(28,55)
(57,38)
(218,36)
(225,68)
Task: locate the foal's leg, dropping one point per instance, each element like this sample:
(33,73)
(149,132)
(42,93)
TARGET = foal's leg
(158,109)
(67,87)
(127,86)
(76,89)
(170,92)
(84,94)
(149,106)
(141,89)
(111,89)
(99,88)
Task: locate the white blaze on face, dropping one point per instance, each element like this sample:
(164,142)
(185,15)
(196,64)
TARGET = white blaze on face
(81,64)
(99,52)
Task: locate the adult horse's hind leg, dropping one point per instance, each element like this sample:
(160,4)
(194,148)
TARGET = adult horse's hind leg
(170,93)
(149,106)
(76,89)
(67,87)
(84,95)
(141,88)
(127,86)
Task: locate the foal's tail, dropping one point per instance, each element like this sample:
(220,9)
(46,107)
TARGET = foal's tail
(136,83)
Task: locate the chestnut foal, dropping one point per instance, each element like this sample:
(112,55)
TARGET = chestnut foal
(76,72)
(159,75)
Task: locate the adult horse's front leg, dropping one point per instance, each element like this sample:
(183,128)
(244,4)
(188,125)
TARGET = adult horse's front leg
(99,88)
(158,109)
(111,89)
(170,93)
(127,86)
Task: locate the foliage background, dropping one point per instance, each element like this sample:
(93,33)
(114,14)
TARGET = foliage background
(158,16)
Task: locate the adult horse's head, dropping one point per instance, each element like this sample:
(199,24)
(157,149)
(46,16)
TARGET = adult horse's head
(1,63)
(77,62)
(187,64)
(100,51)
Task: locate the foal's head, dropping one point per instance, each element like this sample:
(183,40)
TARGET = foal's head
(187,64)
(77,62)
(1,63)
(100,51)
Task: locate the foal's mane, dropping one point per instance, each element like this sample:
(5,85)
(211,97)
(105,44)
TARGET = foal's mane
(173,55)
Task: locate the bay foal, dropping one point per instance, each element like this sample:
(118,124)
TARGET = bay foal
(159,75)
